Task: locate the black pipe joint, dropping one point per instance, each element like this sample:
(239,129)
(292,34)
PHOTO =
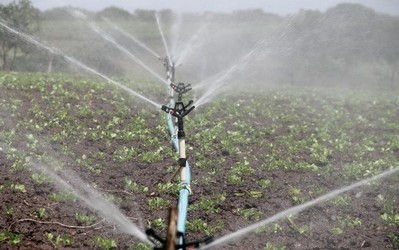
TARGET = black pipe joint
(180,134)
(157,240)
(182,162)
(179,110)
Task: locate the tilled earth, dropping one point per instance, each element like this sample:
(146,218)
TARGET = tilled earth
(252,155)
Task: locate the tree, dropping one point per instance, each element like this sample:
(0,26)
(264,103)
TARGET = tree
(22,16)
(115,12)
(144,15)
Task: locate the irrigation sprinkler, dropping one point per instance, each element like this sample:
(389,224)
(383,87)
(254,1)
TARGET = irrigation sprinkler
(175,238)
(179,111)
(176,111)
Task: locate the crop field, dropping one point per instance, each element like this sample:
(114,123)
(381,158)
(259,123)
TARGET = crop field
(252,154)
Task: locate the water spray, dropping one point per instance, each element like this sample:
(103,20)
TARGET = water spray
(29,39)
(111,40)
(165,44)
(297,209)
(130,36)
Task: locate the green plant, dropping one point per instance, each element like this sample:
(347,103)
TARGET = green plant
(169,188)
(254,194)
(49,236)
(63,240)
(158,224)
(271,246)
(157,203)
(113,198)
(351,222)
(13,186)
(298,229)
(40,178)
(208,205)
(274,228)
(19,187)
(250,213)
(336,231)
(59,240)
(394,238)
(235,179)
(41,212)
(85,219)
(10,238)
(264,183)
(151,157)
(63,197)
(140,246)
(134,186)
(296,195)
(105,243)
(198,225)
(390,215)
(342,200)
(10,211)
(124,154)
(242,169)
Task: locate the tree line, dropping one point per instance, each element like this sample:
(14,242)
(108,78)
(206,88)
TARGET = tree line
(346,44)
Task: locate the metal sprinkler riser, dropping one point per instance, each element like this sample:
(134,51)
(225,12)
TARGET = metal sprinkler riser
(169,67)
(180,111)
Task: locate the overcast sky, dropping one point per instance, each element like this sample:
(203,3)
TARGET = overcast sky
(275,6)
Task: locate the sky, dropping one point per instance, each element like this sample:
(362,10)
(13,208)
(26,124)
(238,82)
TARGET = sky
(281,7)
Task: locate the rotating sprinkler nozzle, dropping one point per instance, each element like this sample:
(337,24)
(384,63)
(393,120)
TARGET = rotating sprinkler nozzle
(179,110)
(181,89)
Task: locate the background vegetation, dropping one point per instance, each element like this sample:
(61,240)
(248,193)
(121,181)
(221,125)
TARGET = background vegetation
(348,45)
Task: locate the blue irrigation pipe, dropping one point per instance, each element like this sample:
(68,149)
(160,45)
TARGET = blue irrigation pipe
(185,190)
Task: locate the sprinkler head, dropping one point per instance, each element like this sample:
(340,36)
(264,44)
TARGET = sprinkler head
(181,89)
(179,110)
